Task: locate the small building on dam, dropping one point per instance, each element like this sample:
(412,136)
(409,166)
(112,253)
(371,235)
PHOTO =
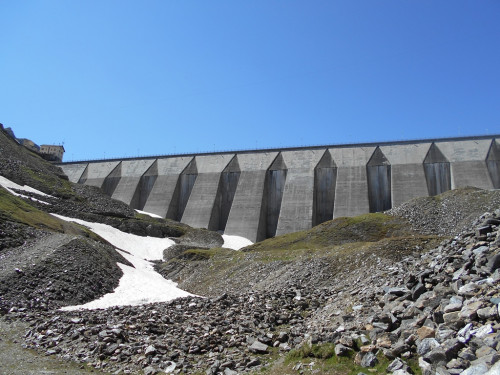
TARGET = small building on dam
(262,193)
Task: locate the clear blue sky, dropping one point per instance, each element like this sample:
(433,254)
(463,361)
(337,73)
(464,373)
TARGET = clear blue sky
(127,78)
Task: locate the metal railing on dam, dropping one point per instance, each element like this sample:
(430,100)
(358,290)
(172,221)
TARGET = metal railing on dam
(262,193)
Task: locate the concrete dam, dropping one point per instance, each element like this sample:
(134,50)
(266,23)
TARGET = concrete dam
(262,193)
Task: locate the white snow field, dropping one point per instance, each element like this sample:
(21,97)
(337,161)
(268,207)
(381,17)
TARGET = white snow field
(139,285)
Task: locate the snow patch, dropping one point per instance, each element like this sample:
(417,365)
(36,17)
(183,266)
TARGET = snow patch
(149,248)
(149,214)
(235,242)
(139,284)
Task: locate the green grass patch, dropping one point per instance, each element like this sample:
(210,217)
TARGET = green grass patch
(362,228)
(204,254)
(321,360)
(51,184)
(15,209)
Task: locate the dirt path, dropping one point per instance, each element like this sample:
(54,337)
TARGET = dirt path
(15,360)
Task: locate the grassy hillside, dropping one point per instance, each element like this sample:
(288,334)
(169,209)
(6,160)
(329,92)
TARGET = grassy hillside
(314,257)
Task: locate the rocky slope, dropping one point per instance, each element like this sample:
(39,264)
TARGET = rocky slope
(437,311)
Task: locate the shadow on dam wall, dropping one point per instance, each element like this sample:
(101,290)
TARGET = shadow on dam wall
(325,178)
(437,171)
(182,192)
(225,194)
(258,195)
(272,198)
(378,171)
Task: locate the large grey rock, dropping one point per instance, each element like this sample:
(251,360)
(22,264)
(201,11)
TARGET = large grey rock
(465,334)
(469,310)
(453,320)
(436,356)
(483,331)
(150,350)
(467,354)
(426,345)
(397,364)
(401,372)
(494,370)
(469,289)
(486,313)
(452,307)
(342,350)
(493,263)
(476,370)
(369,360)
(397,291)
(258,347)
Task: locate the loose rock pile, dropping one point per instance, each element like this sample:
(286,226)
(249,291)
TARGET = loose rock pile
(443,308)
(440,308)
(57,270)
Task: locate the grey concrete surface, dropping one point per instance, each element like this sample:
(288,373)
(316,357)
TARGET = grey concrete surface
(258,194)
(245,214)
(201,201)
(467,163)
(298,196)
(96,173)
(131,173)
(351,193)
(74,171)
(407,171)
(493,164)
(162,192)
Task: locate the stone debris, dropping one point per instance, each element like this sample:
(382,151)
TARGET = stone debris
(451,326)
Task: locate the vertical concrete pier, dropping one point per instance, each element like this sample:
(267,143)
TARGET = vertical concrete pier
(273,196)
(225,195)
(467,166)
(96,173)
(162,192)
(246,210)
(131,172)
(325,180)
(75,171)
(407,171)
(437,171)
(298,195)
(378,172)
(201,201)
(493,164)
(351,194)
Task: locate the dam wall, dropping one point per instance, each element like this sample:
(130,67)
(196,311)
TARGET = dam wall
(262,193)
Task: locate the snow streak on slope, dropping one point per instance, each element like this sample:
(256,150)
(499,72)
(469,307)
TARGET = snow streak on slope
(149,214)
(138,285)
(9,185)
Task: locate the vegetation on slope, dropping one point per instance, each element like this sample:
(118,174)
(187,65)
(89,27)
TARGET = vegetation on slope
(316,256)
(362,228)
(15,209)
